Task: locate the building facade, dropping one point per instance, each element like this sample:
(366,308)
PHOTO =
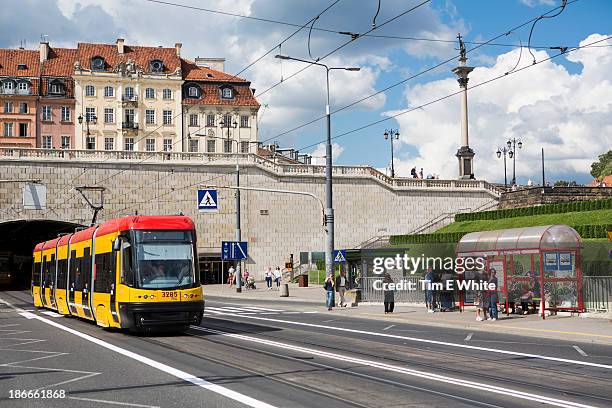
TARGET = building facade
(220,109)
(20,72)
(123,97)
(128,97)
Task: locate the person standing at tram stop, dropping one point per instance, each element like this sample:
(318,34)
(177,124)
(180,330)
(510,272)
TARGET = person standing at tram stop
(268,276)
(328,286)
(389,296)
(493,299)
(429,292)
(341,284)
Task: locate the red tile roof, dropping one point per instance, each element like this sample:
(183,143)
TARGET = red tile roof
(192,72)
(9,59)
(243,96)
(60,62)
(142,56)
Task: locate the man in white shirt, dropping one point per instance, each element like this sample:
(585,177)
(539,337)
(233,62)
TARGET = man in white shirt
(341,286)
(232,275)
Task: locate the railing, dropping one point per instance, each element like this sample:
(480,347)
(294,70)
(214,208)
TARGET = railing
(597,292)
(278,168)
(129,125)
(129,98)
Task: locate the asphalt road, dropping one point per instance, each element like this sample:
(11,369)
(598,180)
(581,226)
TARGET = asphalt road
(254,353)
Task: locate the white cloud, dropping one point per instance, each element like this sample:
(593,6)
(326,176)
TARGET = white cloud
(533,3)
(570,115)
(318,154)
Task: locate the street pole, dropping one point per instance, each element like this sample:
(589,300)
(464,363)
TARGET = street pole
(329,210)
(238,235)
(392,167)
(543,178)
(505,173)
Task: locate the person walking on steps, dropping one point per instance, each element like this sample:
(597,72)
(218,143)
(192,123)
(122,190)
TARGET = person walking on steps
(328,286)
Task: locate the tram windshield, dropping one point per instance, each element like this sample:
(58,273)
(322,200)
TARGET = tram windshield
(164,259)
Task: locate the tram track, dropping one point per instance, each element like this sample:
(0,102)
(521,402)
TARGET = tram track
(447,369)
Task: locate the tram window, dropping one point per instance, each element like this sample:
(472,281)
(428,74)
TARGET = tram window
(51,273)
(61,274)
(36,274)
(75,271)
(103,272)
(45,272)
(127,267)
(86,271)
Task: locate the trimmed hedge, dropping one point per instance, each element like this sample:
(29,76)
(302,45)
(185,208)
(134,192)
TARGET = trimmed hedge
(585,231)
(575,206)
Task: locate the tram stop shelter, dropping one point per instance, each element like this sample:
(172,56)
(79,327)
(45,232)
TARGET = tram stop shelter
(534,265)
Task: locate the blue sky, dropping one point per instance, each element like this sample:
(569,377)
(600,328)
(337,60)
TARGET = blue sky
(563,106)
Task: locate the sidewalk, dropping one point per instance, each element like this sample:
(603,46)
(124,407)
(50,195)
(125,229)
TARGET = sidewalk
(560,327)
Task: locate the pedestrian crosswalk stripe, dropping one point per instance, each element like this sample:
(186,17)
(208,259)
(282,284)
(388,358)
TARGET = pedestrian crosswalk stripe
(247,310)
(261,308)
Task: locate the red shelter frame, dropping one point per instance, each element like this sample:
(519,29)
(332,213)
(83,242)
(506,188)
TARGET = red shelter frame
(554,262)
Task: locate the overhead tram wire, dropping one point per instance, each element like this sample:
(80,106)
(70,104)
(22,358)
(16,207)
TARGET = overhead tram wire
(457,92)
(353,39)
(300,27)
(479,45)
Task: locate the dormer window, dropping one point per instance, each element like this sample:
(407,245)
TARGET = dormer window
(193,92)
(227,92)
(8,86)
(22,67)
(23,87)
(56,87)
(98,64)
(156,66)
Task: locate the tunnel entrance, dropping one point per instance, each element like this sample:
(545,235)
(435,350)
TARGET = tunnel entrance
(17,241)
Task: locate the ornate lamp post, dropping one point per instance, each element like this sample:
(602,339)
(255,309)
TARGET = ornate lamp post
(513,144)
(505,151)
(88,119)
(392,134)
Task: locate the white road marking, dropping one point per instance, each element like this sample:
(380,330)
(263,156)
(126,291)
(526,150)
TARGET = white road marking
(9,325)
(245,399)
(28,315)
(261,308)
(403,370)
(51,313)
(388,327)
(469,337)
(428,341)
(129,404)
(580,351)
(328,321)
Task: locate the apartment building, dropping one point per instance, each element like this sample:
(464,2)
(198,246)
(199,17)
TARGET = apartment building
(128,97)
(19,84)
(220,109)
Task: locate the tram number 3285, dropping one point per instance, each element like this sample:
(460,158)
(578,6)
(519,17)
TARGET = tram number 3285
(169,294)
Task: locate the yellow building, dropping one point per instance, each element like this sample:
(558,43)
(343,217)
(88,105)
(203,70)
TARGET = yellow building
(128,97)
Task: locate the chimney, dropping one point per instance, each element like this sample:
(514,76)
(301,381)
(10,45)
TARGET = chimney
(120,48)
(177,47)
(44,51)
(217,64)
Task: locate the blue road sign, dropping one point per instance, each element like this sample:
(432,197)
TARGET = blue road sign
(234,250)
(339,256)
(207,200)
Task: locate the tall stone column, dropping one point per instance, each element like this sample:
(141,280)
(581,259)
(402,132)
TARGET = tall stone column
(465,154)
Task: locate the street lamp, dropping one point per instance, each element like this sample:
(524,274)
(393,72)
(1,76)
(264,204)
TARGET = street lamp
(512,145)
(505,151)
(88,119)
(392,132)
(329,210)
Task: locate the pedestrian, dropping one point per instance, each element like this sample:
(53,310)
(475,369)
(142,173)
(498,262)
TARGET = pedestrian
(429,304)
(421,173)
(230,275)
(278,276)
(328,286)
(493,299)
(268,276)
(245,278)
(341,284)
(413,172)
(485,298)
(389,299)
(478,300)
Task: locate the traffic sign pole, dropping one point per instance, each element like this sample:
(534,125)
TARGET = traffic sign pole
(238,234)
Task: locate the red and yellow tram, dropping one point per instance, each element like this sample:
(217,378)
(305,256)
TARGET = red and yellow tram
(135,272)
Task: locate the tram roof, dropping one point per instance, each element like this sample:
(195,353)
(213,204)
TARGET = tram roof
(536,239)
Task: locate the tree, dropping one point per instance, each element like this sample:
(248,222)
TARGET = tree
(603,166)
(564,183)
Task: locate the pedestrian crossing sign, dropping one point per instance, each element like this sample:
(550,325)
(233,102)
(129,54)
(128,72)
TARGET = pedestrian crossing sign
(207,201)
(340,256)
